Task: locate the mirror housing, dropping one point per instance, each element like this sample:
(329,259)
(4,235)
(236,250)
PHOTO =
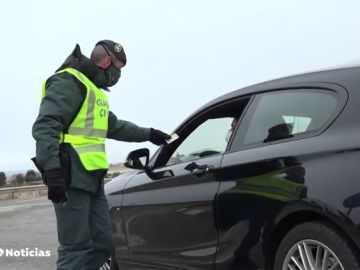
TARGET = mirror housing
(352,201)
(138,159)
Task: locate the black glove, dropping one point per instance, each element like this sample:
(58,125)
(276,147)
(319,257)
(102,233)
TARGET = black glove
(56,185)
(158,137)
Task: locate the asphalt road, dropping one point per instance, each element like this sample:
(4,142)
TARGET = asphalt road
(27,227)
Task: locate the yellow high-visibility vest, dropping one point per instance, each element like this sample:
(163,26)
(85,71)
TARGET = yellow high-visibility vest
(88,130)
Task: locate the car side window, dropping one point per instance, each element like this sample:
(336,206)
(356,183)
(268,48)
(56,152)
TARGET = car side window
(286,114)
(209,138)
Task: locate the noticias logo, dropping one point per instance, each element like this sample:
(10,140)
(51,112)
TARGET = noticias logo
(24,252)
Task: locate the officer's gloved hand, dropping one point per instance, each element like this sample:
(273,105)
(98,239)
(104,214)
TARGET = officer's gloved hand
(56,185)
(158,137)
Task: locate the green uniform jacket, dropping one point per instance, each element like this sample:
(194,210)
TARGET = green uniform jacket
(63,99)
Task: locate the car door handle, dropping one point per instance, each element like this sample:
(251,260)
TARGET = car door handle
(198,170)
(202,170)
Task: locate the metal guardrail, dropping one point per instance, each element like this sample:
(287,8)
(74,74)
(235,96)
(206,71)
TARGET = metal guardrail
(19,188)
(26,192)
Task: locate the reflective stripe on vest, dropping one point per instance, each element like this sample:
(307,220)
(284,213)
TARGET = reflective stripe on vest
(271,185)
(88,130)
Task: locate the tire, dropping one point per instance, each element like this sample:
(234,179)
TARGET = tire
(315,240)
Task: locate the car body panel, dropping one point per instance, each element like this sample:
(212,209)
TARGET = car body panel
(169,222)
(252,192)
(114,194)
(294,172)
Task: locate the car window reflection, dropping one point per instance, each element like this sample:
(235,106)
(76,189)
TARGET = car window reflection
(210,138)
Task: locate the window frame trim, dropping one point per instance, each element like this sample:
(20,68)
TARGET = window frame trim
(155,159)
(340,93)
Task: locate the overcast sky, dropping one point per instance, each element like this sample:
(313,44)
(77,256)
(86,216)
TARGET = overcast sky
(181,54)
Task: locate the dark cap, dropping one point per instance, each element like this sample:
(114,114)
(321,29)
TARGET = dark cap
(116,49)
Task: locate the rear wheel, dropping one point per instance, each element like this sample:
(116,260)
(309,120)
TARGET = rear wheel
(315,246)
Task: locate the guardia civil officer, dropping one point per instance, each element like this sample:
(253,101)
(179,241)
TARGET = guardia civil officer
(70,131)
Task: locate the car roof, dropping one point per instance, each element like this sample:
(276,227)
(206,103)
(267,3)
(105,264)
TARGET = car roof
(338,75)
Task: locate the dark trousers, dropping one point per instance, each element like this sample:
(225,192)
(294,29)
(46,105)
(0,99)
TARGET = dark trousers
(83,231)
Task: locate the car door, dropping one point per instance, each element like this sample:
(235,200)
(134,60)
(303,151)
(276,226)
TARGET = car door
(265,168)
(169,220)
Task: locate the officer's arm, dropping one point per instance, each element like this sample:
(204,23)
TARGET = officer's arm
(57,109)
(126,131)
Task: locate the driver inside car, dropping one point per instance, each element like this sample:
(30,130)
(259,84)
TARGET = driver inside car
(231,130)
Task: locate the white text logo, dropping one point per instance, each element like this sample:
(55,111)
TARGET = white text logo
(24,252)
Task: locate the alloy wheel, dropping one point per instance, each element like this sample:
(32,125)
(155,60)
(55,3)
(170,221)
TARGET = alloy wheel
(311,255)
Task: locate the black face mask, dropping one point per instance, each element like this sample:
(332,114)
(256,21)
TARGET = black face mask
(112,74)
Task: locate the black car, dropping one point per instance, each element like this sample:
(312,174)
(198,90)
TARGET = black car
(265,177)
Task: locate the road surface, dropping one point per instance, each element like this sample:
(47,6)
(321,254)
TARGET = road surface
(28,235)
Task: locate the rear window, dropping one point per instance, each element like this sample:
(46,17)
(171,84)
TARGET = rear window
(285,114)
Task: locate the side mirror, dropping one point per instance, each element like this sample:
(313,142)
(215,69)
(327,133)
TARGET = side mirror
(352,201)
(138,159)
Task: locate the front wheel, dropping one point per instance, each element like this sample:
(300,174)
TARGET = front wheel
(315,246)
